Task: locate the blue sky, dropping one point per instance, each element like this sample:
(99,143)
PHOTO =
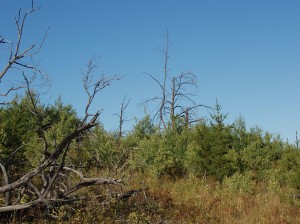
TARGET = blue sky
(245,53)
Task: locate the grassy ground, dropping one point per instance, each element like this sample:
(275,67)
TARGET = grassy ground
(185,200)
(191,200)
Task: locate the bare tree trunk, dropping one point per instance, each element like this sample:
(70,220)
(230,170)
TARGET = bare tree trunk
(163,100)
(297,140)
(172,105)
(187,119)
(122,118)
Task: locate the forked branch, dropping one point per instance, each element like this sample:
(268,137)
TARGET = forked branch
(50,173)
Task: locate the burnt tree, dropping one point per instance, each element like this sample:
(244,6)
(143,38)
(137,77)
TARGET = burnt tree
(176,99)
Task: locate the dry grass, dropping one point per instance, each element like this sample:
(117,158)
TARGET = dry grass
(186,200)
(191,200)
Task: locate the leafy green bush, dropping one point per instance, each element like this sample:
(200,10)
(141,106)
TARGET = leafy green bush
(239,183)
(161,154)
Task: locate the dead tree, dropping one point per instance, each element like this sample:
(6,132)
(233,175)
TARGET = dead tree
(163,96)
(21,60)
(176,99)
(122,117)
(47,183)
(179,95)
(297,141)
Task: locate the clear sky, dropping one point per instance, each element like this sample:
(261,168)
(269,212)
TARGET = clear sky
(246,53)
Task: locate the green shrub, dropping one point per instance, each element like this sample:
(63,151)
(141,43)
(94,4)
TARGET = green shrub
(239,183)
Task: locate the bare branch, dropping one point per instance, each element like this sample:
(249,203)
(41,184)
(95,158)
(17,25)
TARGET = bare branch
(2,40)
(20,195)
(13,88)
(6,182)
(93,87)
(39,119)
(36,191)
(158,82)
(121,116)
(17,207)
(86,182)
(74,171)
(21,58)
